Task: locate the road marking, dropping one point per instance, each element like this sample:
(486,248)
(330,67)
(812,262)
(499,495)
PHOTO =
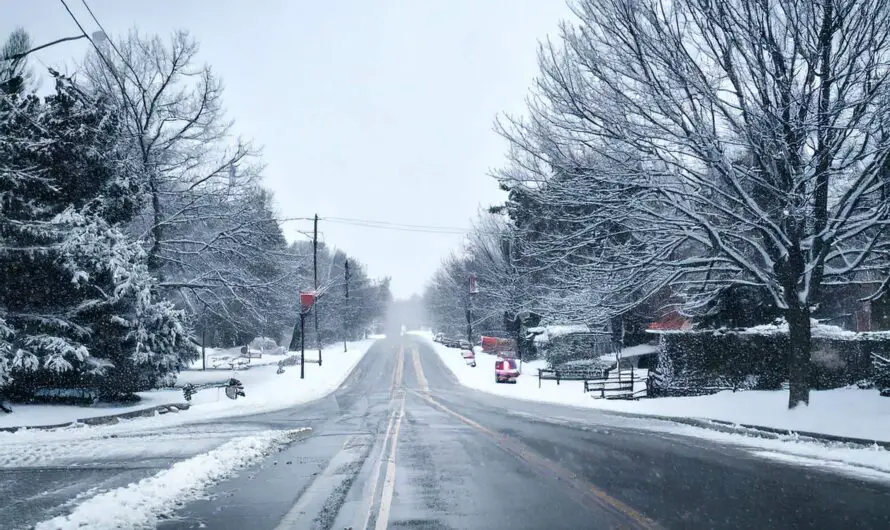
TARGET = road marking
(301,513)
(515,447)
(399,372)
(375,474)
(418,369)
(389,483)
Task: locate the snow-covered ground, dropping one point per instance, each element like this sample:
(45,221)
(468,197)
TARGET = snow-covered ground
(141,504)
(842,412)
(265,391)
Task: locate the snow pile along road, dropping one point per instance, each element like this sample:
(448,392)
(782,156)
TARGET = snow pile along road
(849,412)
(843,412)
(139,505)
(265,389)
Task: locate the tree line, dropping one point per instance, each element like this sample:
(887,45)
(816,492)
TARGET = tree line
(674,153)
(134,222)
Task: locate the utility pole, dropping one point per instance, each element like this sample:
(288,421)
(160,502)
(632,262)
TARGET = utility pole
(346,306)
(315,280)
(472,291)
(302,345)
(203,338)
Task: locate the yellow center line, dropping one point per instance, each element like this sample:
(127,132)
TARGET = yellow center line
(400,368)
(389,481)
(418,369)
(375,474)
(600,496)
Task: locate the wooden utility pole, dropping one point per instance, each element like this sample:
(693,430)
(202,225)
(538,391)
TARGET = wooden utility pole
(315,280)
(346,306)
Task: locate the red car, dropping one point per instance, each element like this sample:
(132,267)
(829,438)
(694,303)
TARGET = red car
(506,371)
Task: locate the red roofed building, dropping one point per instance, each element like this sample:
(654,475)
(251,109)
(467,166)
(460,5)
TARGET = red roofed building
(672,321)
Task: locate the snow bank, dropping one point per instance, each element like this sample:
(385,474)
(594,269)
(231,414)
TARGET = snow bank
(266,391)
(140,504)
(842,412)
(35,415)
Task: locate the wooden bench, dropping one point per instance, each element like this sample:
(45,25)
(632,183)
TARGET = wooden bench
(233,387)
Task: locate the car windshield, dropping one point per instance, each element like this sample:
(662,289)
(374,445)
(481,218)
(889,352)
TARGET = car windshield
(394,264)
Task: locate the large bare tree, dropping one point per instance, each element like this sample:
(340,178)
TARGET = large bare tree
(208,229)
(739,142)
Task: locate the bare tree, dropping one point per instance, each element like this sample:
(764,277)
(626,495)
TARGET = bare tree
(656,103)
(207,228)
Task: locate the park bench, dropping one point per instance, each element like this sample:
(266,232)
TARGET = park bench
(233,387)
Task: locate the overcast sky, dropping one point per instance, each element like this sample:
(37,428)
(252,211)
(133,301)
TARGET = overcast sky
(367,109)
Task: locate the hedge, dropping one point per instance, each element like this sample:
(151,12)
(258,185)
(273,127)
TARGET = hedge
(746,359)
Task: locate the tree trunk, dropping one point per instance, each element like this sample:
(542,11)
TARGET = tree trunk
(799,334)
(154,262)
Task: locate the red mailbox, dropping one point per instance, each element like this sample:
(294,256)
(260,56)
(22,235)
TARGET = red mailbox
(307,300)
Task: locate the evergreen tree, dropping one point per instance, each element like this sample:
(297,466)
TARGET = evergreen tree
(77,303)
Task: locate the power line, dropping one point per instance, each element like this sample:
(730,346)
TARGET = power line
(385,225)
(107,36)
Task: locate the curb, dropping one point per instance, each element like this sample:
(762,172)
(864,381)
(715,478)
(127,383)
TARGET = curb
(757,431)
(104,420)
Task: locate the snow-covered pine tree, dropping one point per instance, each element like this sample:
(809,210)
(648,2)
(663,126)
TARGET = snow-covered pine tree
(76,300)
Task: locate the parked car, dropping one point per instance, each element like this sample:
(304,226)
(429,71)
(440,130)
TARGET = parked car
(506,371)
(464,345)
(469,357)
(439,337)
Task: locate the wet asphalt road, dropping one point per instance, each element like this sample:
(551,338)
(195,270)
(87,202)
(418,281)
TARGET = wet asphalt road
(402,445)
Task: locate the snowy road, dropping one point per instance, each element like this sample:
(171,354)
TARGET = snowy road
(402,445)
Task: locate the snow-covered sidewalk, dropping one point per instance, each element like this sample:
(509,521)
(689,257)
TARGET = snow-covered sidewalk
(848,412)
(265,391)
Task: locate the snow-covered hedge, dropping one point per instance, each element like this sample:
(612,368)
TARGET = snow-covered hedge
(757,357)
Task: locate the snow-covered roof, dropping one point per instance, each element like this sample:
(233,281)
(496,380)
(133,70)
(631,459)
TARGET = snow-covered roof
(780,326)
(546,333)
(631,352)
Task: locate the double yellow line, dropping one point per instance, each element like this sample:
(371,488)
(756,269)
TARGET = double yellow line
(597,495)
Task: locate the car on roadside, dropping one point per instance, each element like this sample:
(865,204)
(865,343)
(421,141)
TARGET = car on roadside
(506,370)
(465,345)
(469,357)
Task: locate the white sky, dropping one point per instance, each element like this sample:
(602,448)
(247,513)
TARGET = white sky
(368,109)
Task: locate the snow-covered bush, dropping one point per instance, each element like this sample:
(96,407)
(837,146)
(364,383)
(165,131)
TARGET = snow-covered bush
(77,305)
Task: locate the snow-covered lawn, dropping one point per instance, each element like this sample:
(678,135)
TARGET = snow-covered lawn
(265,391)
(842,412)
(140,504)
